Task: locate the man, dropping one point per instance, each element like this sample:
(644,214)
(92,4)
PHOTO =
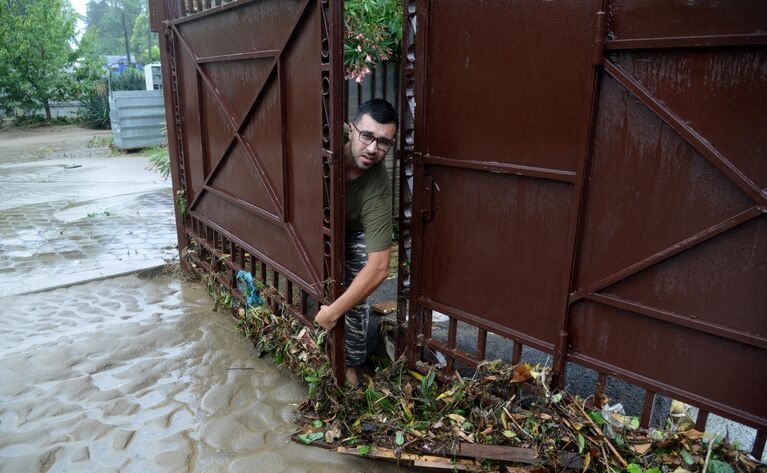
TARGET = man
(368,226)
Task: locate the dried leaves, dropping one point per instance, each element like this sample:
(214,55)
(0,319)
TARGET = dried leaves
(500,406)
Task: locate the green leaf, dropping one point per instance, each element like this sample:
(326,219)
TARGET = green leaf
(686,456)
(633,468)
(654,469)
(427,382)
(581,442)
(309,438)
(556,397)
(596,416)
(633,423)
(364,449)
(656,435)
(317,424)
(467,426)
(509,434)
(718,466)
(619,441)
(399,438)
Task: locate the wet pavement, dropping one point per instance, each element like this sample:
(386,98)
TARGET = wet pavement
(76,215)
(129,373)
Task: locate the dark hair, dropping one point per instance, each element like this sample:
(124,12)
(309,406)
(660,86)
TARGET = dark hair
(379,110)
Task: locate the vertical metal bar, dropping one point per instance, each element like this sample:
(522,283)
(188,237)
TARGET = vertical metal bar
(577,212)
(406,326)
(481,344)
(373,82)
(649,400)
(516,353)
(359,93)
(394,174)
(289,298)
(336,63)
(758,449)
(302,295)
(385,66)
(263,272)
(452,329)
(427,319)
(422,15)
(346,101)
(700,421)
(172,108)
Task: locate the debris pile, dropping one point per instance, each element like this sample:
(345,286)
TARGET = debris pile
(502,416)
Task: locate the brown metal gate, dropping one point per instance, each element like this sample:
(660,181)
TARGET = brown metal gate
(588,178)
(253,89)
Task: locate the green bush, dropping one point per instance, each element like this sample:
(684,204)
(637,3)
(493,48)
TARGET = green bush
(129,79)
(95,112)
(159,160)
(373,34)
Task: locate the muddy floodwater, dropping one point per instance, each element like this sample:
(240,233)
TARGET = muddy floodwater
(132,374)
(122,373)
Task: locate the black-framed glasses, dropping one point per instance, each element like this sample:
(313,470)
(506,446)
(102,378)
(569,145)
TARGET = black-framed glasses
(365,137)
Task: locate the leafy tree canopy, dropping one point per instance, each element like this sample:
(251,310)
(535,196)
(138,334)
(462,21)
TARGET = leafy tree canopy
(41,59)
(139,38)
(112,23)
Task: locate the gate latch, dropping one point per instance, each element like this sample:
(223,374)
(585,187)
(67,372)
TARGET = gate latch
(430,197)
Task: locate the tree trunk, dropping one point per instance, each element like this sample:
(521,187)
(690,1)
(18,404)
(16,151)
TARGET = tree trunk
(125,35)
(148,38)
(47,106)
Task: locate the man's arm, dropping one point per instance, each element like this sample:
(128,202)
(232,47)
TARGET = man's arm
(367,280)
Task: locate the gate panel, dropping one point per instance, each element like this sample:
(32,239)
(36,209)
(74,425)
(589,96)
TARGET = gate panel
(465,274)
(684,363)
(497,158)
(254,93)
(252,77)
(648,190)
(671,259)
(501,89)
(699,23)
(590,179)
(729,115)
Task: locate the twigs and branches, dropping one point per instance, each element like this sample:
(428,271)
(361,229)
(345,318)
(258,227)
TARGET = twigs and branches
(501,415)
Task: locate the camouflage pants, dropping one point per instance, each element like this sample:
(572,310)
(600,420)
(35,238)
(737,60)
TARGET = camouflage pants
(356,325)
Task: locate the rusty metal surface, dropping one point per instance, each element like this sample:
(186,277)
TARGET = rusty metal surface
(254,89)
(588,178)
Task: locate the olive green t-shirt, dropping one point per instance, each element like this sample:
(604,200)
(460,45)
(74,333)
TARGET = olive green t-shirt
(368,207)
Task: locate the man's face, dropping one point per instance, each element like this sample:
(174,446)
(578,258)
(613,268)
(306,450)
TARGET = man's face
(366,155)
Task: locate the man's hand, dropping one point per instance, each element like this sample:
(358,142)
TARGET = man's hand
(366,281)
(326,317)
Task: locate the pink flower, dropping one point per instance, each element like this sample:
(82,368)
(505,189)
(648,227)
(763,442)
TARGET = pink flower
(368,58)
(359,36)
(359,49)
(358,79)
